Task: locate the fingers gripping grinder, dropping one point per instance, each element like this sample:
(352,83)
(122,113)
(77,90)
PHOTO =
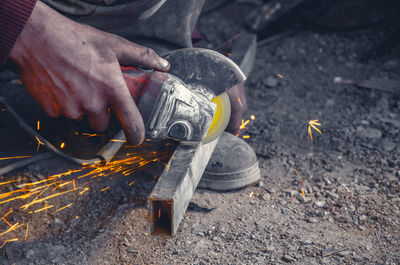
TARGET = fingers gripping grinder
(189,103)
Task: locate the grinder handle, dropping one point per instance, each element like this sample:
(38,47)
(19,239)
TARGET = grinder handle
(136,80)
(145,87)
(139,81)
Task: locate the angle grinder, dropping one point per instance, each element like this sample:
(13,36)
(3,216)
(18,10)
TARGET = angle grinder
(190,102)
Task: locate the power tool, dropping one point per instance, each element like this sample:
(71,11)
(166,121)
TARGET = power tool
(189,103)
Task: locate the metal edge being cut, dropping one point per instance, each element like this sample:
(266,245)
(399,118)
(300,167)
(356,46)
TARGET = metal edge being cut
(171,196)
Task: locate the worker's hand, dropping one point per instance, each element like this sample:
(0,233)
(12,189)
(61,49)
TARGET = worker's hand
(74,70)
(238,100)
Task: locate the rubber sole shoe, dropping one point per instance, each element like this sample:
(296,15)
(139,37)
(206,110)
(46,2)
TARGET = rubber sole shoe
(233,165)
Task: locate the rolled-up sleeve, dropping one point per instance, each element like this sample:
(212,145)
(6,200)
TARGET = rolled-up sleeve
(13,16)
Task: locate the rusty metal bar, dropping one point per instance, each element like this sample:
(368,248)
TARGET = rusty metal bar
(171,195)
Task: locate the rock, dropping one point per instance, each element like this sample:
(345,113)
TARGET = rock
(290,192)
(332,195)
(260,183)
(30,253)
(356,258)
(362,218)
(266,197)
(288,258)
(344,253)
(128,243)
(331,251)
(252,202)
(320,204)
(283,202)
(389,146)
(270,81)
(370,133)
(312,220)
(270,248)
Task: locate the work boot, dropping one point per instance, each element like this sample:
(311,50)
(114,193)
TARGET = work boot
(233,165)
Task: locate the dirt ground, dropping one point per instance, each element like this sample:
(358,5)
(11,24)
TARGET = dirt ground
(349,213)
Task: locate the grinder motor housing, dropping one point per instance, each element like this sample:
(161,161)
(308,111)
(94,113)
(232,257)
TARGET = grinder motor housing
(178,104)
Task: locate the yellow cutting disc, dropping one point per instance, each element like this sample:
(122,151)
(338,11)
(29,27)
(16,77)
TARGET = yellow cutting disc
(221,117)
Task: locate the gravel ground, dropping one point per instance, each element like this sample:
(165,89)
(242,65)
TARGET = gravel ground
(349,213)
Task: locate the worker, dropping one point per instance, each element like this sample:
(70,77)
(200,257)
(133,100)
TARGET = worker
(69,53)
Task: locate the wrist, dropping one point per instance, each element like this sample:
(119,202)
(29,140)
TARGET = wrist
(34,32)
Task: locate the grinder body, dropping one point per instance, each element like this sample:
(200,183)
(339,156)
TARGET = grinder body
(170,108)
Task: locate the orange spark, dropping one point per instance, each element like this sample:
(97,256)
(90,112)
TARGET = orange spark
(7,182)
(8,240)
(10,211)
(118,141)
(106,188)
(39,143)
(44,208)
(84,190)
(13,157)
(159,213)
(240,102)
(73,183)
(38,125)
(46,198)
(5,220)
(301,183)
(133,182)
(231,39)
(297,173)
(244,123)
(62,145)
(26,231)
(40,194)
(246,136)
(252,117)
(279,75)
(313,125)
(91,134)
(12,228)
(62,208)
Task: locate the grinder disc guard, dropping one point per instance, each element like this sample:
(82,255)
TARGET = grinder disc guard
(203,68)
(220,119)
